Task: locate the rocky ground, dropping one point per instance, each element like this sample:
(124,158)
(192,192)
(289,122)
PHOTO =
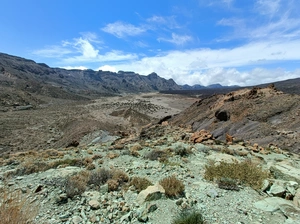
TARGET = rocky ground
(46,189)
(106,160)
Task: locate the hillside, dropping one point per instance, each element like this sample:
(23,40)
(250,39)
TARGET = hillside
(259,115)
(22,80)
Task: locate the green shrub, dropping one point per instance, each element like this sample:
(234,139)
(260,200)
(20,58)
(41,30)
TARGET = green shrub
(189,217)
(173,187)
(244,172)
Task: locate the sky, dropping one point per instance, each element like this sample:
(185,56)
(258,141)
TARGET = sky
(230,42)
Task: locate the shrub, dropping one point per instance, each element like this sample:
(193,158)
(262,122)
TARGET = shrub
(113,185)
(140,183)
(189,217)
(228,184)
(119,176)
(244,172)
(157,154)
(99,176)
(16,209)
(173,187)
(32,166)
(76,184)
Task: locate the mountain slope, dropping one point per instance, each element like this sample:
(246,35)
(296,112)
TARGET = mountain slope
(264,116)
(27,75)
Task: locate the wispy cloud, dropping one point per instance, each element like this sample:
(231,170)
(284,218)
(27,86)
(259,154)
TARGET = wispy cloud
(276,22)
(167,21)
(177,39)
(52,51)
(83,49)
(121,29)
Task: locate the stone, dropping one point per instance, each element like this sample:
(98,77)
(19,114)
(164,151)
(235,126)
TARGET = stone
(103,188)
(296,199)
(271,204)
(77,219)
(265,185)
(217,157)
(201,136)
(94,204)
(285,172)
(150,193)
(276,190)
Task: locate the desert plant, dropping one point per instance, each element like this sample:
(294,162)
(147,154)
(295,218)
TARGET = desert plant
(119,176)
(113,185)
(173,187)
(99,176)
(32,166)
(228,184)
(189,217)
(140,183)
(15,208)
(156,155)
(76,184)
(244,172)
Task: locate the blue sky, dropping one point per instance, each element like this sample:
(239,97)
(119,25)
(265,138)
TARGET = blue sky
(231,42)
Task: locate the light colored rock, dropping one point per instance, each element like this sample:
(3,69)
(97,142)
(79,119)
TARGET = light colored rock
(218,157)
(285,172)
(296,199)
(271,204)
(76,219)
(150,193)
(276,190)
(94,204)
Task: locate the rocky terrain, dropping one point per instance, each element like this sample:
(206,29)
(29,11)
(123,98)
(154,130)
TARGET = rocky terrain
(96,182)
(75,149)
(258,115)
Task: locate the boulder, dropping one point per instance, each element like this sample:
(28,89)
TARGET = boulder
(154,192)
(285,172)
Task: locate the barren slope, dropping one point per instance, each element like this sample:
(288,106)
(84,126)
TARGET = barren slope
(264,116)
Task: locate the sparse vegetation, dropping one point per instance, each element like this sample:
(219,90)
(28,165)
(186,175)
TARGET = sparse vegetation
(157,155)
(15,208)
(76,184)
(172,186)
(99,176)
(140,183)
(244,172)
(189,217)
(228,184)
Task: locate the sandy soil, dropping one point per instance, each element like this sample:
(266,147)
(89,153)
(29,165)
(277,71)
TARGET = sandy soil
(60,122)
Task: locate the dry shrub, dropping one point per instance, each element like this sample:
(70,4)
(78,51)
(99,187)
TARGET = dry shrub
(140,183)
(136,147)
(96,156)
(77,184)
(119,176)
(99,176)
(157,155)
(66,162)
(87,161)
(244,172)
(112,155)
(173,187)
(113,185)
(32,166)
(16,209)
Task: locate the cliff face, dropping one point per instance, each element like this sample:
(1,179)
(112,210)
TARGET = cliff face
(26,75)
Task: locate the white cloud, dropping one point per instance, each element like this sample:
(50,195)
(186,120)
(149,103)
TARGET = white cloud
(168,21)
(207,66)
(121,29)
(177,39)
(107,68)
(75,67)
